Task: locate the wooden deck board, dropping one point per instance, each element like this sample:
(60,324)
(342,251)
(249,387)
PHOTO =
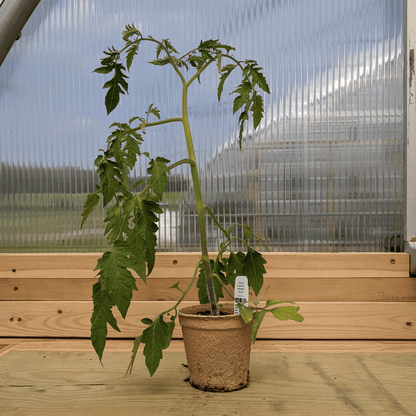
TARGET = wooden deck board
(292,346)
(178,265)
(345,289)
(50,383)
(326,320)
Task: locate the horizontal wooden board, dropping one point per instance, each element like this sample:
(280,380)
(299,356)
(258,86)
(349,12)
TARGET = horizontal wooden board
(179,265)
(341,289)
(284,384)
(326,320)
(261,345)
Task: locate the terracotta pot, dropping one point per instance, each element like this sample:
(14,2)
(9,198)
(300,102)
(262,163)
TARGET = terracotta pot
(217,348)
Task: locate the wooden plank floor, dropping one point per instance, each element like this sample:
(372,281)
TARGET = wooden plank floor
(63,377)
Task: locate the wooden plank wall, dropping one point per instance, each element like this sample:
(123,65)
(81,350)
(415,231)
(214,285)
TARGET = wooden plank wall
(341,295)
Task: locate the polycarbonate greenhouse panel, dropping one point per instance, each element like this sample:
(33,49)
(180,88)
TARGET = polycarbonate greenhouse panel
(323,172)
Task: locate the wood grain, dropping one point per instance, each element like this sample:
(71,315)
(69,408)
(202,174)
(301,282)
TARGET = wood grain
(261,345)
(341,289)
(342,295)
(179,265)
(74,383)
(308,277)
(326,320)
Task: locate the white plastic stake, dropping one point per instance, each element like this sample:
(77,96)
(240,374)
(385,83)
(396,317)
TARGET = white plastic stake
(240,292)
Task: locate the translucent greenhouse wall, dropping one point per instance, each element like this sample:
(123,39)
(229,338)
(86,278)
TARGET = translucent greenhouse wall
(324,171)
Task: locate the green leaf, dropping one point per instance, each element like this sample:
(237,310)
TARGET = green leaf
(133,119)
(110,61)
(136,241)
(257,77)
(100,317)
(159,175)
(110,176)
(135,349)
(248,231)
(121,77)
(131,53)
(92,200)
(104,69)
(284,313)
(171,327)
(115,276)
(112,97)
(114,222)
(175,286)
(258,318)
(159,49)
(149,209)
(116,85)
(257,110)
(196,61)
(202,284)
(155,337)
(226,71)
(132,150)
(128,204)
(208,44)
(242,119)
(160,61)
(138,183)
(232,267)
(130,31)
(146,321)
(219,63)
(245,313)
(134,254)
(99,160)
(155,111)
(169,46)
(244,89)
(253,268)
(114,142)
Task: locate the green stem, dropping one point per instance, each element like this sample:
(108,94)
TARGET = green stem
(158,123)
(211,214)
(126,218)
(181,162)
(225,287)
(235,60)
(232,297)
(172,62)
(199,203)
(172,166)
(194,173)
(198,73)
(185,292)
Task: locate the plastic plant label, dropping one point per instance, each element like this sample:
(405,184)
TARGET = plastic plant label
(240,292)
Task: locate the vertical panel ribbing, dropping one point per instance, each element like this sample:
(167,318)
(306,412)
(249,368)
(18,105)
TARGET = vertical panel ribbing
(323,172)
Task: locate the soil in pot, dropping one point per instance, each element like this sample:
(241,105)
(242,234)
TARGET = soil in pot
(217,348)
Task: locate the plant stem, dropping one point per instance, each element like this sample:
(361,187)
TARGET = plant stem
(185,292)
(199,204)
(195,177)
(158,123)
(211,214)
(181,162)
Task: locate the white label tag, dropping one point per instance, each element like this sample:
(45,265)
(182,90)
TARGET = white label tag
(240,292)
